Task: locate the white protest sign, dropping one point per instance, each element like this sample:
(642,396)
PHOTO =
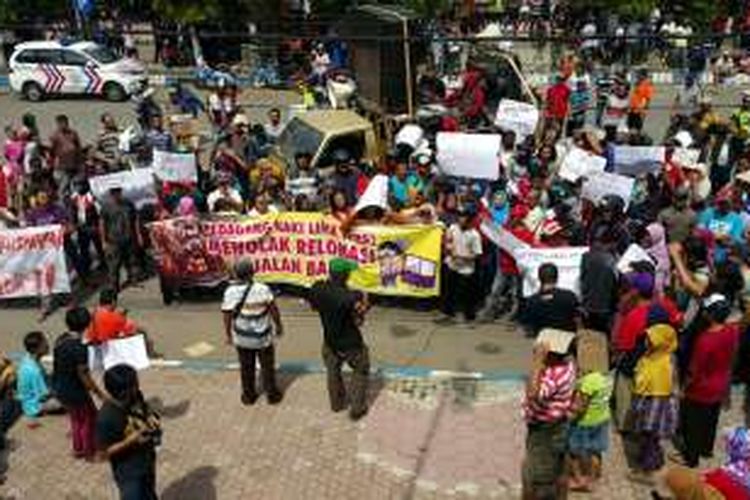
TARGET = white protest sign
(503,238)
(637,160)
(603,183)
(32,262)
(686,156)
(137,185)
(468,155)
(127,350)
(634,253)
(567,260)
(519,117)
(580,163)
(376,194)
(175,167)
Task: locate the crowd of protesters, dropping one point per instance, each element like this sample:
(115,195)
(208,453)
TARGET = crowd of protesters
(674,320)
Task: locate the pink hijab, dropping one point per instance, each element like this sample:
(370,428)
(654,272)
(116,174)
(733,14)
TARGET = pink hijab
(658,251)
(186,207)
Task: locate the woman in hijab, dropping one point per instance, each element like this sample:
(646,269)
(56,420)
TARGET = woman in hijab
(653,411)
(657,249)
(731,481)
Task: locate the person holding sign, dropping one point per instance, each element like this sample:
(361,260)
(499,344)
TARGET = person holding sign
(251,320)
(548,407)
(550,307)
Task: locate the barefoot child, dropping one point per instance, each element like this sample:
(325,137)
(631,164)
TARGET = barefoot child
(589,432)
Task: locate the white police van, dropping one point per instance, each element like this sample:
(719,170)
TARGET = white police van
(41,69)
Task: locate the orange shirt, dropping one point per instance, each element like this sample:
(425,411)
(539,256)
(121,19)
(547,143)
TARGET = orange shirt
(642,95)
(107,325)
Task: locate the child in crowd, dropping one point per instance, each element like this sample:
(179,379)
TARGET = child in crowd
(32,389)
(548,404)
(653,411)
(589,433)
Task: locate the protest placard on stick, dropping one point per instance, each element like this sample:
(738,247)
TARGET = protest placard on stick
(603,183)
(175,167)
(137,185)
(516,116)
(580,163)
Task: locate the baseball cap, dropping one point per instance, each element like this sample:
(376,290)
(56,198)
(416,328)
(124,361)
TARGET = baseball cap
(341,265)
(713,299)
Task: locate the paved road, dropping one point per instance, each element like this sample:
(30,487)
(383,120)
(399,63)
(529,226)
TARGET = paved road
(433,438)
(192,330)
(85,113)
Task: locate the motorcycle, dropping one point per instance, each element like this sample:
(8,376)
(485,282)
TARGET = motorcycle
(146,106)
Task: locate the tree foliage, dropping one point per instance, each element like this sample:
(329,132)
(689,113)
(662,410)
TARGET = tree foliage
(188,11)
(630,8)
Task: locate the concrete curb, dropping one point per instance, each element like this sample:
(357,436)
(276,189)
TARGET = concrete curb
(314,368)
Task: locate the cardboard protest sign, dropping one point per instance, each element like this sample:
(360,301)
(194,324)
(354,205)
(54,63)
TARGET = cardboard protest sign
(580,163)
(592,351)
(603,183)
(127,350)
(634,253)
(503,238)
(468,155)
(516,116)
(175,167)
(567,260)
(137,185)
(296,247)
(32,262)
(638,160)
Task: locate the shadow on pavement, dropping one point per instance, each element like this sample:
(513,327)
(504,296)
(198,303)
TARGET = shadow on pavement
(285,380)
(172,411)
(197,484)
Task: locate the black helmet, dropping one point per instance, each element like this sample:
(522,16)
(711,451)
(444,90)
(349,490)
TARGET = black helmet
(341,156)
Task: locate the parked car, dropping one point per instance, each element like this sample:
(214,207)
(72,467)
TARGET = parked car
(48,68)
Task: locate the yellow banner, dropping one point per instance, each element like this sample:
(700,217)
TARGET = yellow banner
(296,247)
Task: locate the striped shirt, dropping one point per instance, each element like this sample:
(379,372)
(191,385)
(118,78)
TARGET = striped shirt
(554,400)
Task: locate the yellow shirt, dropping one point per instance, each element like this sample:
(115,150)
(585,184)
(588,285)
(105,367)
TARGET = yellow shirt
(654,371)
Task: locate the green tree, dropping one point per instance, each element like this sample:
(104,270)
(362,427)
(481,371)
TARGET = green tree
(631,8)
(189,13)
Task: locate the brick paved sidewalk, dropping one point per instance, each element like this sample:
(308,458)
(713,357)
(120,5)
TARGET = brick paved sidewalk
(423,438)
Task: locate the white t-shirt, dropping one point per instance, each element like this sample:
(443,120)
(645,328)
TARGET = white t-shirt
(467,246)
(253,316)
(274,131)
(231,194)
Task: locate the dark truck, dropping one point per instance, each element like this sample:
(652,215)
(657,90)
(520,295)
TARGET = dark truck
(388,43)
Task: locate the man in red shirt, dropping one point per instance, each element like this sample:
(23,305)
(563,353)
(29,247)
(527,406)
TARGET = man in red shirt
(558,101)
(707,381)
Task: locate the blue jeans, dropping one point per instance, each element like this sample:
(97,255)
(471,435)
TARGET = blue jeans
(138,488)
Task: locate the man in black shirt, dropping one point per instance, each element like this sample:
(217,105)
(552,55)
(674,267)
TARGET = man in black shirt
(128,432)
(550,307)
(341,312)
